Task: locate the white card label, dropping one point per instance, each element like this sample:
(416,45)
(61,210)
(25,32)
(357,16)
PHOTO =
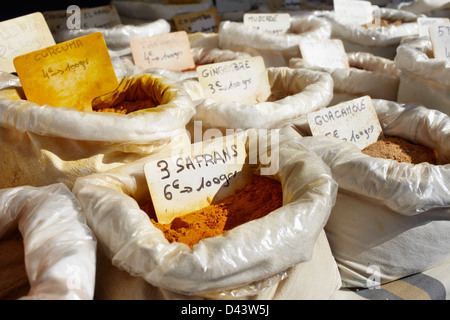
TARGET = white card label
(440,39)
(425,23)
(353,12)
(277,23)
(354,121)
(171,51)
(324,53)
(190,181)
(243,80)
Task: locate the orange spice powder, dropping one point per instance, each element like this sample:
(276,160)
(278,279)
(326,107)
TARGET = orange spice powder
(260,197)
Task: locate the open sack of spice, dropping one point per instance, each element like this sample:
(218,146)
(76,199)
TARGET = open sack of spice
(381,37)
(366,74)
(264,240)
(47,250)
(392,212)
(287,93)
(45,144)
(275,48)
(424,79)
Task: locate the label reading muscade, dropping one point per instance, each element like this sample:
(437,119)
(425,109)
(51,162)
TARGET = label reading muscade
(354,121)
(206,21)
(353,12)
(277,23)
(243,80)
(210,171)
(329,53)
(440,39)
(425,23)
(69,74)
(170,51)
(22,35)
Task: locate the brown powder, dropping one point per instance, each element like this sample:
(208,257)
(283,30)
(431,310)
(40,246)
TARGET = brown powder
(13,277)
(399,149)
(254,201)
(129,106)
(385,22)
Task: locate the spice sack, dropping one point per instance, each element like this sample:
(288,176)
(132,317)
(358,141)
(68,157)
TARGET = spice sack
(391,218)
(423,78)
(276,49)
(42,144)
(283,254)
(367,74)
(54,255)
(293,92)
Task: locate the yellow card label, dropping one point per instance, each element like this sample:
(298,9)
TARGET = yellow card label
(206,21)
(208,172)
(69,74)
(22,35)
(242,80)
(170,51)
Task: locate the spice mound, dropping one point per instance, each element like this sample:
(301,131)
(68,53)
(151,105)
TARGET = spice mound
(401,150)
(257,199)
(129,106)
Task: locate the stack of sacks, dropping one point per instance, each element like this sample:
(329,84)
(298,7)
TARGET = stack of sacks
(283,255)
(276,49)
(137,12)
(391,218)
(423,78)
(382,41)
(42,144)
(368,74)
(293,92)
(57,249)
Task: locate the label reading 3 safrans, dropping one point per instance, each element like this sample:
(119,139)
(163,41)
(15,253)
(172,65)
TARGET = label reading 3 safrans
(22,35)
(69,74)
(242,80)
(355,121)
(191,180)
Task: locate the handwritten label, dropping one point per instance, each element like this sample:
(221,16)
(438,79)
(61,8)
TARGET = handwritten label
(206,21)
(354,121)
(353,12)
(277,23)
(97,17)
(233,5)
(69,74)
(190,181)
(244,80)
(425,23)
(329,53)
(440,39)
(171,51)
(21,35)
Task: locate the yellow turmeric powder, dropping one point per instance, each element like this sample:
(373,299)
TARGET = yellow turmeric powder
(257,199)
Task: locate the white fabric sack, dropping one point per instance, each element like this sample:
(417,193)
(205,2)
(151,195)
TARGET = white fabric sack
(391,219)
(368,74)
(276,49)
(295,92)
(382,41)
(151,10)
(248,261)
(423,6)
(423,79)
(118,37)
(59,248)
(41,145)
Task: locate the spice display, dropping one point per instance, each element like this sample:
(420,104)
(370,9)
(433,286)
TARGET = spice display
(254,201)
(401,150)
(126,107)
